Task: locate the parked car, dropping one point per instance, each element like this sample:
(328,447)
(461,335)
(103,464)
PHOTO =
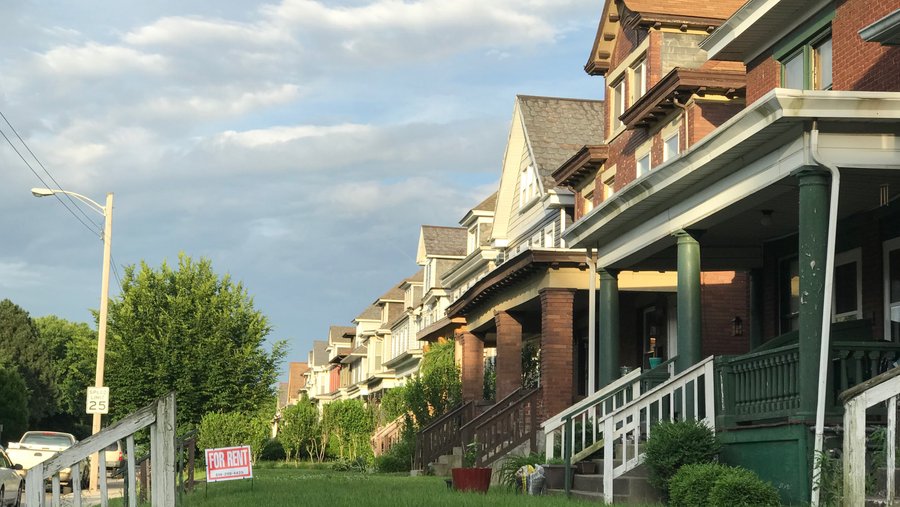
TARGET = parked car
(12,485)
(114,457)
(38,446)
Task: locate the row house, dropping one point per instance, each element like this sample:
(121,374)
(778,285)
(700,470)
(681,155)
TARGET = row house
(340,343)
(317,376)
(773,194)
(404,352)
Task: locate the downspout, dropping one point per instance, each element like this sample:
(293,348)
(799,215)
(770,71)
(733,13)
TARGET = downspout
(592,321)
(826,307)
(687,132)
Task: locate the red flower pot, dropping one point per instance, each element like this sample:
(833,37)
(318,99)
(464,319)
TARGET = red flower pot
(471,479)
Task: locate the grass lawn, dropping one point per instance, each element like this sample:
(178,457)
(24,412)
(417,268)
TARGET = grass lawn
(273,487)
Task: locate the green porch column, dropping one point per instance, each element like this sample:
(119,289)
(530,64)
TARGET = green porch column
(689,315)
(756,308)
(814,186)
(608,336)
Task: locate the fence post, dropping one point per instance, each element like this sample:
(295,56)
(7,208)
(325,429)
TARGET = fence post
(34,486)
(854,451)
(192,451)
(164,465)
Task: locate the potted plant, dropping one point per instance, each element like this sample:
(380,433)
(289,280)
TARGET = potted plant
(586,467)
(555,474)
(654,360)
(470,477)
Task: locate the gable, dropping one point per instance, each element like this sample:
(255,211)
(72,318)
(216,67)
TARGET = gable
(507,195)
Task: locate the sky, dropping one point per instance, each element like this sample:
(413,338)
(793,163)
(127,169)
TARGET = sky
(297,144)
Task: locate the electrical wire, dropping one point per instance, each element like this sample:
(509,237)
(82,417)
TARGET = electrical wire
(94,230)
(58,186)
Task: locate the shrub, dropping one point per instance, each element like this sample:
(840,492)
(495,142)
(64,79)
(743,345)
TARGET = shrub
(233,428)
(740,487)
(674,444)
(690,486)
(512,464)
(273,451)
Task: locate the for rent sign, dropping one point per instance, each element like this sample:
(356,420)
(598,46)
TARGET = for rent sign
(228,463)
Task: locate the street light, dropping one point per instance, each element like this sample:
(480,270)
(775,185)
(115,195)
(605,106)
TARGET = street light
(106,211)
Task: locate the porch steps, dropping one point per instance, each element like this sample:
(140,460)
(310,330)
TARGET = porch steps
(631,488)
(447,462)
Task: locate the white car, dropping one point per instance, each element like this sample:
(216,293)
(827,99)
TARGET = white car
(12,486)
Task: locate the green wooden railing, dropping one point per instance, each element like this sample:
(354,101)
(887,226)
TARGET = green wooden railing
(763,386)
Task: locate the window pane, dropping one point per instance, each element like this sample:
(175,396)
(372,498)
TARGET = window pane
(671,147)
(845,277)
(640,80)
(792,69)
(822,59)
(643,165)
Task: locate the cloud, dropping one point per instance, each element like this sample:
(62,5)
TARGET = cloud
(18,274)
(93,60)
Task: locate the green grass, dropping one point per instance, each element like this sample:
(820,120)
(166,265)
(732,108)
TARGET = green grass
(273,487)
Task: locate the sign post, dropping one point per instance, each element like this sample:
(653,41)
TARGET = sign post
(97,400)
(228,464)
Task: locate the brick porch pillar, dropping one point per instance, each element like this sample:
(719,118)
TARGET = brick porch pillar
(509,354)
(557,350)
(472,365)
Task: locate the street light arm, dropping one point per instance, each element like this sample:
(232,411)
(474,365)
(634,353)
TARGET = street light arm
(44,192)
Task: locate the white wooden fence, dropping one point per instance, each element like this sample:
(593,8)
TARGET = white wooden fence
(159,416)
(884,387)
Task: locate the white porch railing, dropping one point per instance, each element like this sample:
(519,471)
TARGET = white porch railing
(159,416)
(579,417)
(884,387)
(688,395)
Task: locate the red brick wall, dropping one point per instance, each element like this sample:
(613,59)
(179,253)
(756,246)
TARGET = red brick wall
(861,65)
(762,75)
(472,366)
(704,117)
(724,295)
(509,354)
(557,350)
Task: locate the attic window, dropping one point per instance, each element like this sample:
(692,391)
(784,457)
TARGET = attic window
(528,189)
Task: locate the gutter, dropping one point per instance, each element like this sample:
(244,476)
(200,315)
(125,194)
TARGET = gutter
(826,307)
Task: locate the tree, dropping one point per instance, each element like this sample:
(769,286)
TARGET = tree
(350,425)
(230,429)
(20,343)
(437,388)
(13,403)
(300,429)
(190,331)
(73,352)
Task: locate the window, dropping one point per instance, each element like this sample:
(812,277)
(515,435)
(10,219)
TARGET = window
(638,80)
(847,304)
(671,147)
(892,290)
(527,186)
(609,187)
(809,66)
(618,94)
(587,196)
(472,239)
(789,294)
(549,236)
(643,165)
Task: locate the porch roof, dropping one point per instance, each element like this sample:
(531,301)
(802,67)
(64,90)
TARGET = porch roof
(767,137)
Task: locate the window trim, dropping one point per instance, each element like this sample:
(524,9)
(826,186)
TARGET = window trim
(887,247)
(840,259)
(669,156)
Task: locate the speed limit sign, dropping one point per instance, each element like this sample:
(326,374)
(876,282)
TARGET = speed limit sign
(97,400)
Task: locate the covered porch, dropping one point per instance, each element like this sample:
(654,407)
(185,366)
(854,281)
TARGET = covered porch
(755,197)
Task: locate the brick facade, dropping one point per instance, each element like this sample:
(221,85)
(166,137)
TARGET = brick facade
(509,354)
(557,350)
(472,365)
(724,295)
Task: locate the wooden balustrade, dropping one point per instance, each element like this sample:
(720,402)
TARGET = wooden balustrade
(442,435)
(763,386)
(504,430)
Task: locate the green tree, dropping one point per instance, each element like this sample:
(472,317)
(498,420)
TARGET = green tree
(72,347)
(437,388)
(21,346)
(229,429)
(191,331)
(13,404)
(350,426)
(300,429)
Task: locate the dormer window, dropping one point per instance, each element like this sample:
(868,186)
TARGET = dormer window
(528,188)
(472,239)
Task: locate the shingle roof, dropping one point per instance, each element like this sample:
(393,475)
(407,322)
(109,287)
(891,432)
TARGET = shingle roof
(488,204)
(418,277)
(320,352)
(394,294)
(373,312)
(557,128)
(444,240)
(336,333)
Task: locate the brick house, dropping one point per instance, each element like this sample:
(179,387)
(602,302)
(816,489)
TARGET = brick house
(795,193)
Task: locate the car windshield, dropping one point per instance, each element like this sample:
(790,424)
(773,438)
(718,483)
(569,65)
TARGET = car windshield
(47,439)
(112,447)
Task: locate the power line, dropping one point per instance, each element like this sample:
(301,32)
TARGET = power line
(58,186)
(94,230)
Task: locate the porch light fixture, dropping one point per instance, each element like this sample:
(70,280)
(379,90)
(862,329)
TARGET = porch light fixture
(737,326)
(766,219)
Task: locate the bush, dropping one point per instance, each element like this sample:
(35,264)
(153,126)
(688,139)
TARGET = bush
(512,464)
(232,429)
(273,451)
(742,488)
(674,444)
(690,486)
